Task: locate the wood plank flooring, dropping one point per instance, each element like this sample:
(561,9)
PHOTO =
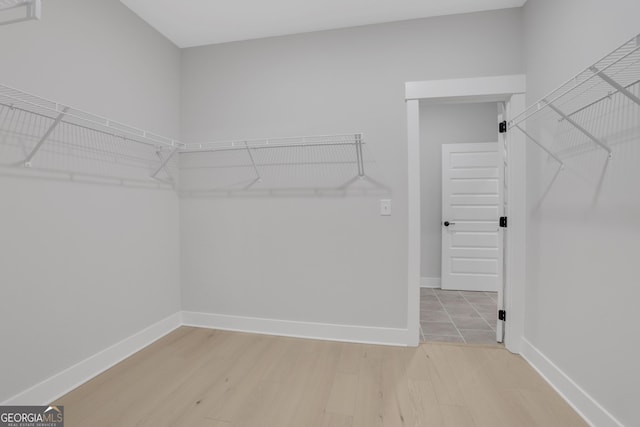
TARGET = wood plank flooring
(209,378)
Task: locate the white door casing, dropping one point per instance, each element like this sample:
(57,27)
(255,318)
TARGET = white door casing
(511,90)
(503,152)
(472,204)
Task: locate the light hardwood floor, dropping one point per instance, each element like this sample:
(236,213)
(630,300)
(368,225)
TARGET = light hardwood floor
(208,378)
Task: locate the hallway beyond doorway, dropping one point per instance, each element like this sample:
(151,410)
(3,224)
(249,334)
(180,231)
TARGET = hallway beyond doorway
(458,316)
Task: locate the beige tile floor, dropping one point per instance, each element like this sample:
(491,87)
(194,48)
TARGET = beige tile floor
(458,316)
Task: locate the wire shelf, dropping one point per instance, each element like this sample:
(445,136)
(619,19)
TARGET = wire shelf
(290,165)
(43,134)
(280,142)
(588,107)
(16,99)
(37,133)
(10,4)
(11,13)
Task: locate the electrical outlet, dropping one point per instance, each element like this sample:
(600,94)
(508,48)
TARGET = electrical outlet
(385,207)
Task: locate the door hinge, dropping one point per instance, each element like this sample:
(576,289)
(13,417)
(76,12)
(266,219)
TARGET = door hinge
(503,221)
(502,315)
(502,127)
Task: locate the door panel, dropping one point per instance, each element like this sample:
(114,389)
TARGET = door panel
(474,213)
(476,159)
(472,204)
(474,186)
(474,265)
(475,173)
(476,239)
(483,199)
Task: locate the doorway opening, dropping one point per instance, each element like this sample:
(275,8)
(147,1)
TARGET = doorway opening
(459,286)
(461,240)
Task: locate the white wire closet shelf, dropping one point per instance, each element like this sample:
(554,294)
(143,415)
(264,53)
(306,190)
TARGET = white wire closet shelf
(597,105)
(325,163)
(354,140)
(44,135)
(14,11)
(40,133)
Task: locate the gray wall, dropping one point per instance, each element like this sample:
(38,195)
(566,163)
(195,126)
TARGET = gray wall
(332,260)
(445,124)
(582,245)
(83,266)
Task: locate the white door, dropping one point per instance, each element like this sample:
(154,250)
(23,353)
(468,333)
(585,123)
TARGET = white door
(472,204)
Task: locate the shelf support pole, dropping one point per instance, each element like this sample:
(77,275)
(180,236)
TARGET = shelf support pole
(359,156)
(580,128)
(253,162)
(164,162)
(616,85)
(47,134)
(539,144)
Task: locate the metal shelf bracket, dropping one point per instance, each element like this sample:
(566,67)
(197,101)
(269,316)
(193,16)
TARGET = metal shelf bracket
(359,156)
(623,90)
(539,144)
(163,163)
(54,125)
(580,128)
(253,163)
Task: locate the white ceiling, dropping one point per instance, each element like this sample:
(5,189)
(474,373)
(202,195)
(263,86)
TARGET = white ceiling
(199,22)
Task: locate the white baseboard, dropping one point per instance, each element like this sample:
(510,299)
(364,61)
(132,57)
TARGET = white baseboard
(430,282)
(63,382)
(585,405)
(287,328)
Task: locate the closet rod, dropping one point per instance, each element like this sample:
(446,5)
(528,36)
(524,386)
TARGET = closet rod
(189,150)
